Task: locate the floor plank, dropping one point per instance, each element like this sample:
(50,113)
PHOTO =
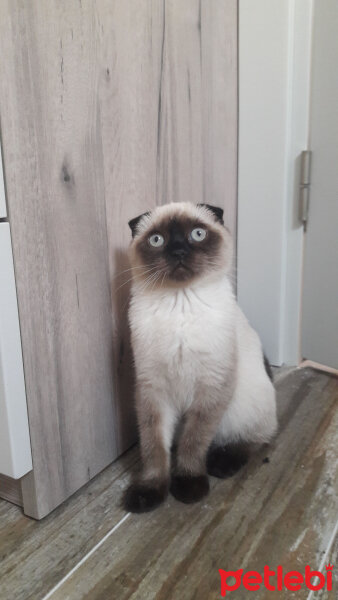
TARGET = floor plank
(34,556)
(276,512)
(272,513)
(331,558)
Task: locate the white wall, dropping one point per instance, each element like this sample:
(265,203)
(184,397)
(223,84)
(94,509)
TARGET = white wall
(274,66)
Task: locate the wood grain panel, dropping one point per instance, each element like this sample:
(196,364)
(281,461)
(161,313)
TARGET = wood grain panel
(56,206)
(108,108)
(10,489)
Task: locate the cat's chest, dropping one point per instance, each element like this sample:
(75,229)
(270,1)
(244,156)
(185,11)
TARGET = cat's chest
(185,329)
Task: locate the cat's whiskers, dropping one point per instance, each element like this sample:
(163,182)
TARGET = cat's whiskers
(146,287)
(133,269)
(128,295)
(135,276)
(163,278)
(148,281)
(156,279)
(152,280)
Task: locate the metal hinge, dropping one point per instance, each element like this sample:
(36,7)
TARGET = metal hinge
(304,186)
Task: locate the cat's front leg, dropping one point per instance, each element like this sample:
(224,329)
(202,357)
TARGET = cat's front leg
(190,481)
(156,423)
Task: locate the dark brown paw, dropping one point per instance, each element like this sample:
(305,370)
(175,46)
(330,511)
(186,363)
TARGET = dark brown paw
(225,461)
(189,488)
(144,497)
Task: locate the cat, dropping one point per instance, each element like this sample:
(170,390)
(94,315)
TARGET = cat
(198,362)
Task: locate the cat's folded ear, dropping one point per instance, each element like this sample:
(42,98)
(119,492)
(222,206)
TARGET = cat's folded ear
(216,211)
(133,223)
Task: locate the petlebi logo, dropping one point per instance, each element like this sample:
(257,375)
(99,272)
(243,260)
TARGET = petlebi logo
(276,580)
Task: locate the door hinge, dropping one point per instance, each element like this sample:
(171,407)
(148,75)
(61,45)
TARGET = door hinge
(304,186)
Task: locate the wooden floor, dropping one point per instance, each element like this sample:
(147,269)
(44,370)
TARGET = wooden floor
(280,511)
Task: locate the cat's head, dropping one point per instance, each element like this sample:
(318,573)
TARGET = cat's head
(180,242)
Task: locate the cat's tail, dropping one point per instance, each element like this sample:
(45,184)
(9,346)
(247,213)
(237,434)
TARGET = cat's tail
(267,367)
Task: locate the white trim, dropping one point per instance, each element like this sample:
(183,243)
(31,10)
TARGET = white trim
(298,131)
(274,73)
(318,366)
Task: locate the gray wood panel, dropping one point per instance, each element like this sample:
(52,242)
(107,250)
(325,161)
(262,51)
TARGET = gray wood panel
(107,108)
(10,489)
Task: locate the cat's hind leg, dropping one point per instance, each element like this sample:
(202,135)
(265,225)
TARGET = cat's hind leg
(224,460)
(248,422)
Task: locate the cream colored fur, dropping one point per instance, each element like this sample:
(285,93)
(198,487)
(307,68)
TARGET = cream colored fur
(194,345)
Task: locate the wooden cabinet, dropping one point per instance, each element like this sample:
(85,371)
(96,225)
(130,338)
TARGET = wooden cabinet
(107,108)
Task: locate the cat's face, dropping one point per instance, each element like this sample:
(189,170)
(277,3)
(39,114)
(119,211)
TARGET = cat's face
(178,243)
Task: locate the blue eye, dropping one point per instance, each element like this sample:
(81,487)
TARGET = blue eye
(156,240)
(198,234)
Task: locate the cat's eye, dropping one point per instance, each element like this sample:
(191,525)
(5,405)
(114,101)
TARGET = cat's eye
(198,234)
(156,240)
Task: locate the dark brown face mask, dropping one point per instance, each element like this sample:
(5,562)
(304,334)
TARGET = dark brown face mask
(215,210)
(182,248)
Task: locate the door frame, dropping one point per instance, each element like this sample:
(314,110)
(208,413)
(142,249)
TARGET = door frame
(274,100)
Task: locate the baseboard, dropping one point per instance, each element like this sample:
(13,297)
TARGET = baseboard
(318,366)
(10,489)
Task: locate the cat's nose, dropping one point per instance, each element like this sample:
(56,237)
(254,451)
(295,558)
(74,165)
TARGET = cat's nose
(179,251)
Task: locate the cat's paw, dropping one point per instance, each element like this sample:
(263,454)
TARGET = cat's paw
(143,496)
(189,488)
(225,461)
